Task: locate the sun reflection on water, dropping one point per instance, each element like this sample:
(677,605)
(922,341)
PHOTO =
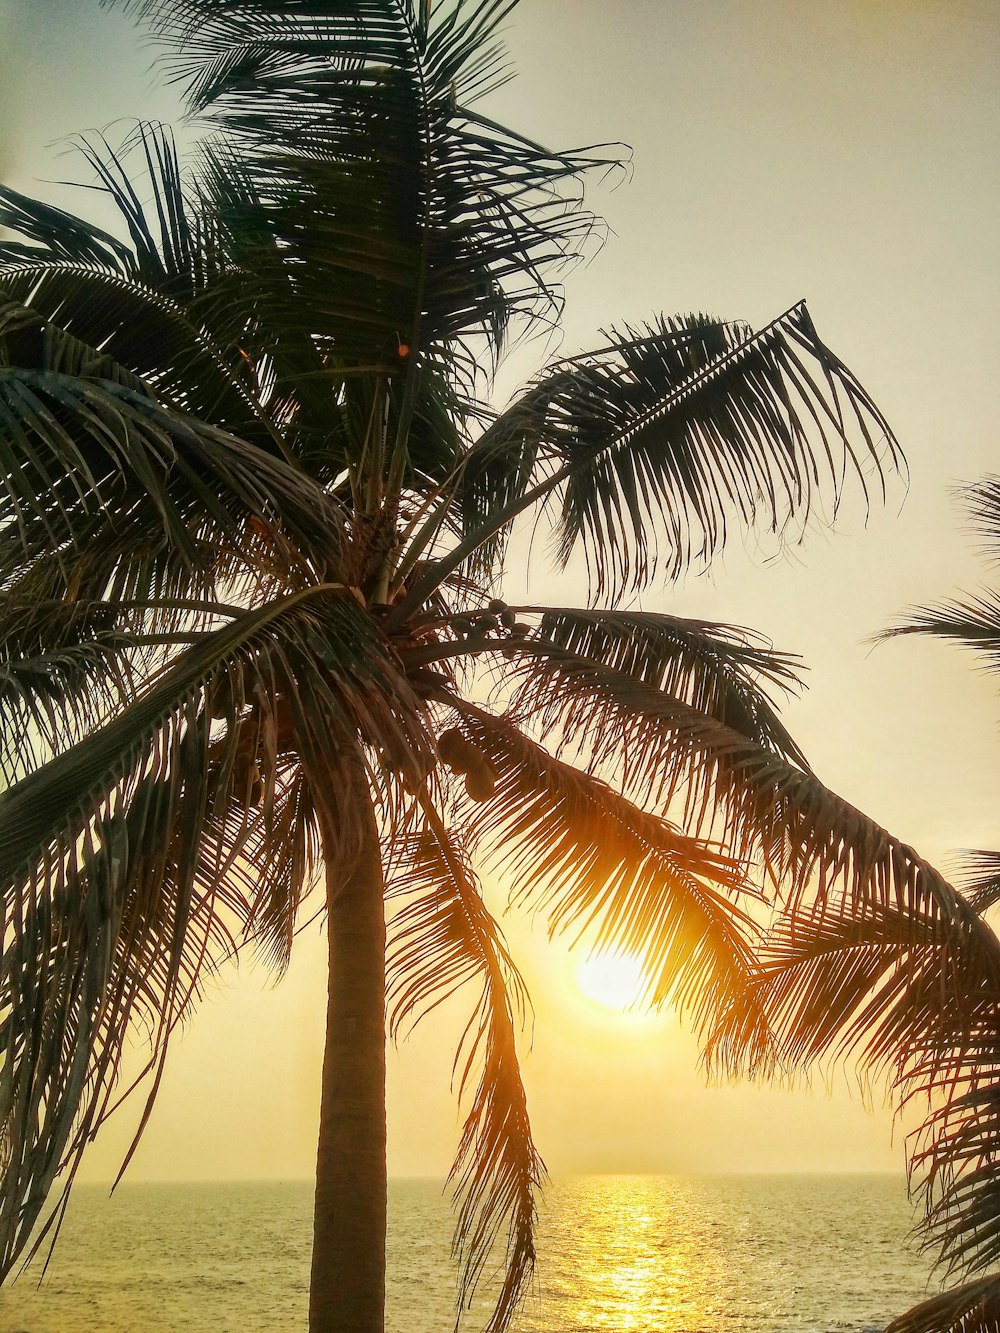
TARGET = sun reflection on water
(633,1253)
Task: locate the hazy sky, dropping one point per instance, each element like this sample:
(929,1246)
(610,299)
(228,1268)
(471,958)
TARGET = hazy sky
(845,152)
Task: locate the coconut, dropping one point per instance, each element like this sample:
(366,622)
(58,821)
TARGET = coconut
(454,749)
(247,781)
(222,704)
(481,781)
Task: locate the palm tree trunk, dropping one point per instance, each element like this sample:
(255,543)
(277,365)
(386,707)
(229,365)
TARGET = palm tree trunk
(347,1289)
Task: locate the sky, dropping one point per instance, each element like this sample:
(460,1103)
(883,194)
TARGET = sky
(843,152)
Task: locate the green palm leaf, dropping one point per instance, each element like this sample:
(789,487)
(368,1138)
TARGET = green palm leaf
(163,347)
(165,246)
(55,236)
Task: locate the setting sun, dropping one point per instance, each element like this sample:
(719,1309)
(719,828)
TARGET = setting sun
(616,981)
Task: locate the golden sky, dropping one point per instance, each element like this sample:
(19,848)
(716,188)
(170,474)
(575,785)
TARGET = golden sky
(845,152)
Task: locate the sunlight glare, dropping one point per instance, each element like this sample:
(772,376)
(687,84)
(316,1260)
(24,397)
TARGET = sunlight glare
(640,1256)
(613,980)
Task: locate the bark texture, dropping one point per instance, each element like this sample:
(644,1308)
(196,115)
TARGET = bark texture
(347,1289)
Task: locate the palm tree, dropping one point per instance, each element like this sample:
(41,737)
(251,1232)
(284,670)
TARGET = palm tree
(254,521)
(915,994)
(959,1142)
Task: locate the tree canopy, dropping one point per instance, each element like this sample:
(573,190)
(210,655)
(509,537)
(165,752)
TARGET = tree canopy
(255,513)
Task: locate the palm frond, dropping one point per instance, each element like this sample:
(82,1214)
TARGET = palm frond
(600,868)
(116,859)
(980,879)
(972,1308)
(983,500)
(661,748)
(63,665)
(871,979)
(331,651)
(906,981)
(80,453)
(52,235)
(824,855)
(694,420)
(446,231)
(655,444)
(282,863)
(120,935)
(723,671)
(31,342)
(162,232)
(909,983)
(506,463)
(146,339)
(953,1154)
(973,622)
(289,367)
(441,940)
(163,235)
(178,307)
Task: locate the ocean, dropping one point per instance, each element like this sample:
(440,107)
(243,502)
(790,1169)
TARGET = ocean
(654,1254)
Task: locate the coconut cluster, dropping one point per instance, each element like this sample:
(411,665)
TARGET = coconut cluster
(497,618)
(461,756)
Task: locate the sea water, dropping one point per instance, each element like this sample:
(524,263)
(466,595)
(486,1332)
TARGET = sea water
(654,1254)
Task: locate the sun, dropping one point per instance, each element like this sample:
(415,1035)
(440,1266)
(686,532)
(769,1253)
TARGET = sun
(612,980)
